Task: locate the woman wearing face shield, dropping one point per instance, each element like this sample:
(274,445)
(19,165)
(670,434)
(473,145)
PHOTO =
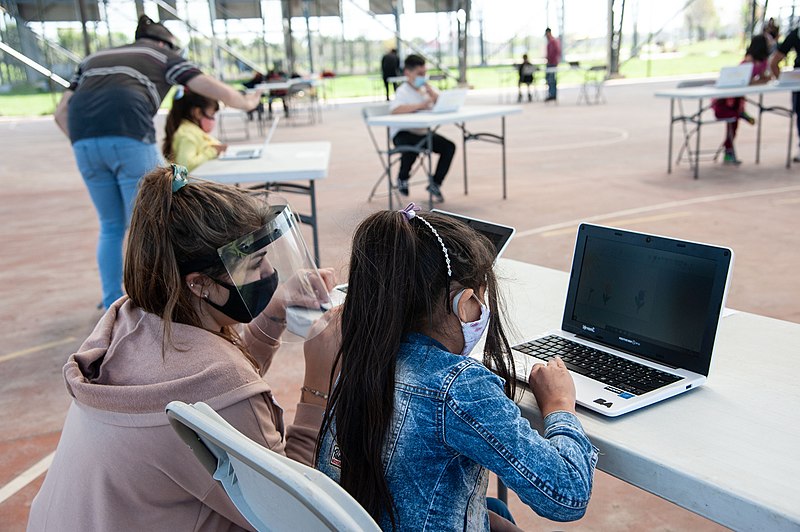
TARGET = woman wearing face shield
(119,465)
(413,425)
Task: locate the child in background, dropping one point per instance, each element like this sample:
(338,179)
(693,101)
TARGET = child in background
(188,141)
(732,109)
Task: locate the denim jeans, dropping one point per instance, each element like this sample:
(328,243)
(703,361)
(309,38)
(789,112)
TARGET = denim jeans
(551,82)
(111,168)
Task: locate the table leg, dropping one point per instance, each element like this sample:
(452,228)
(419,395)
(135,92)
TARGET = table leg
(503,143)
(502,491)
(389,166)
(464,136)
(430,168)
(758,131)
(697,143)
(791,133)
(314,222)
(671,127)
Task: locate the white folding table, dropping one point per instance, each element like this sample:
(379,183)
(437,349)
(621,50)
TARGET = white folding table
(710,92)
(280,167)
(432,121)
(726,450)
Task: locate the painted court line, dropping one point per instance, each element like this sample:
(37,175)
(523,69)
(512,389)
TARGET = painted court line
(623,222)
(26,477)
(36,348)
(650,208)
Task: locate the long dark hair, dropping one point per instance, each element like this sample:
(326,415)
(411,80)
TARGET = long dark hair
(169,229)
(182,104)
(398,284)
(759,48)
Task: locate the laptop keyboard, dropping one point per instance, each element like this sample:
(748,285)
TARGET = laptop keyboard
(609,369)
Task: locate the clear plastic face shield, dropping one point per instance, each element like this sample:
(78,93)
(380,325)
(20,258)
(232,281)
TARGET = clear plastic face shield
(272,270)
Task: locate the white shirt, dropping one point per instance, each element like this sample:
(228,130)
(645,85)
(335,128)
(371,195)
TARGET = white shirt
(407,95)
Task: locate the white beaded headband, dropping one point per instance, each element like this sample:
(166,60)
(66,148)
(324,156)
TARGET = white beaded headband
(410,212)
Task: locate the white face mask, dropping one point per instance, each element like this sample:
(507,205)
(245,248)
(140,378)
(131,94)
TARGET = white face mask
(472,331)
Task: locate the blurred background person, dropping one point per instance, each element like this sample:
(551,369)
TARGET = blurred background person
(107,113)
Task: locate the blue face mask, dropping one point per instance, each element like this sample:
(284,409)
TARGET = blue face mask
(419,81)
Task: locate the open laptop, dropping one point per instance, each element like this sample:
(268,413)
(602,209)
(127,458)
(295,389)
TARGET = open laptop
(640,318)
(789,77)
(233,153)
(734,76)
(499,235)
(449,101)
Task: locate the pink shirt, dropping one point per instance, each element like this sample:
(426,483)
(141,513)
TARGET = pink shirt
(553,51)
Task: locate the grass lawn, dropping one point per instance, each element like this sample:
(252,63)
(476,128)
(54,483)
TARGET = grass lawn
(708,56)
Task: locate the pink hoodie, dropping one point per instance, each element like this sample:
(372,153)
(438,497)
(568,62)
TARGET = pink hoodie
(119,465)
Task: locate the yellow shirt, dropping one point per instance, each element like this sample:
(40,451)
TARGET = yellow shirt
(191,146)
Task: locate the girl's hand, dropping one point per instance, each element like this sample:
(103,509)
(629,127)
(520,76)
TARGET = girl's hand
(220,148)
(553,387)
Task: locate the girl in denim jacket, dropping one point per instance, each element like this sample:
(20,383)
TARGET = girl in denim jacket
(413,425)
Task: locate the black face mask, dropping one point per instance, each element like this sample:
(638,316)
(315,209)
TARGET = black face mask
(249,297)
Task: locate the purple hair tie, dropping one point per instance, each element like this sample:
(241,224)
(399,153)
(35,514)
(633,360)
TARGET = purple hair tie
(410,211)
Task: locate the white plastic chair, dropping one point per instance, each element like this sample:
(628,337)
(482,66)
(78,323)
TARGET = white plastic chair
(271,491)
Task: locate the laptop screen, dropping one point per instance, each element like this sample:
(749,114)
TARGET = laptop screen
(498,235)
(653,296)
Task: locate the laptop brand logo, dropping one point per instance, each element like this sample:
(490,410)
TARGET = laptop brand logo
(587,328)
(601,401)
(628,340)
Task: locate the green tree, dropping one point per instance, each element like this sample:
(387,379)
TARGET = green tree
(701,19)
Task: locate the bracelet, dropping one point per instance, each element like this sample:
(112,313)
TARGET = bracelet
(317,393)
(281,321)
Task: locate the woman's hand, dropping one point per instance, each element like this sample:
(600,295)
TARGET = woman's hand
(305,289)
(220,148)
(325,339)
(552,386)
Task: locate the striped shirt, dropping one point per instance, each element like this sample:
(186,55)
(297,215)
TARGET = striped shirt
(118,91)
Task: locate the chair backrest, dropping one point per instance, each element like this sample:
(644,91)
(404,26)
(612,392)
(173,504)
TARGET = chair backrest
(271,491)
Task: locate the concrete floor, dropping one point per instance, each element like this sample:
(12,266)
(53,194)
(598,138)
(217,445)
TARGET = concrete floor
(567,163)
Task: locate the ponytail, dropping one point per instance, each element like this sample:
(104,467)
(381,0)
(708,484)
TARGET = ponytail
(398,284)
(168,229)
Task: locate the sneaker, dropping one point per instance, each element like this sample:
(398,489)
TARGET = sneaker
(550,99)
(530,98)
(436,193)
(731,160)
(402,188)
(796,158)
(519,98)
(746,117)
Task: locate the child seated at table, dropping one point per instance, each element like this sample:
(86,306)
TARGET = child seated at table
(413,424)
(188,141)
(416,94)
(732,109)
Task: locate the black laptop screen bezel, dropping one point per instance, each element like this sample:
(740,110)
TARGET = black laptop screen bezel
(483,227)
(695,361)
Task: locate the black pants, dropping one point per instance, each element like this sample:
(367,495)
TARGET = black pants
(386,84)
(440,145)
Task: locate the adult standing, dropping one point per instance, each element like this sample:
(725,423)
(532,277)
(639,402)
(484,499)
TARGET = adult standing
(791,42)
(107,113)
(390,67)
(553,55)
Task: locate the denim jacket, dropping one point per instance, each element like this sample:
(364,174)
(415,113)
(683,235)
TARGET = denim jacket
(452,423)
